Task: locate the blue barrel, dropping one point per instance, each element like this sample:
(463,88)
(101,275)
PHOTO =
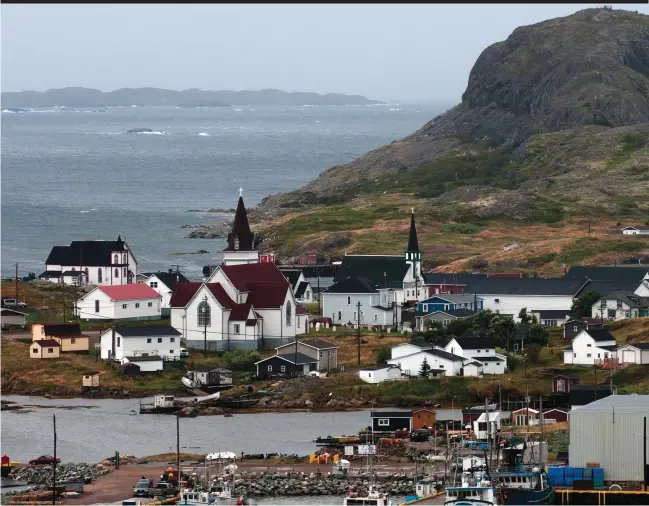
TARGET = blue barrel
(578,473)
(569,475)
(587,473)
(598,477)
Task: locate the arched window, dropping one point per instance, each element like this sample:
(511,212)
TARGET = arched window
(236,242)
(124,258)
(99,276)
(204,314)
(289,312)
(116,273)
(115,259)
(73,269)
(125,271)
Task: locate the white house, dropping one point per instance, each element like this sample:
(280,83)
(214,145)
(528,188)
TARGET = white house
(441,363)
(413,346)
(590,347)
(153,340)
(380,373)
(301,287)
(165,283)
(149,363)
(621,305)
(119,303)
(478,349)
(482,431)
(637,230)
(551,317)
(636,353)
(509,295)
(102,263)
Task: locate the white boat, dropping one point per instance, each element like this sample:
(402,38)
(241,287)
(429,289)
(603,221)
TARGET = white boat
(475,490)
(188,383)
(372,498)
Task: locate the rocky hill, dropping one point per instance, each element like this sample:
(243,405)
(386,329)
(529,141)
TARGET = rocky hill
(553,126)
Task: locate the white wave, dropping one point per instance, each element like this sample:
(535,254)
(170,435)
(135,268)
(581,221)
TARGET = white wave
(234,128)
(134,106)
(204,134)
(318,121)
(301,109)
(250,109)
(155,132)
(238,110)
(89,210)
(7,111)
(394,109)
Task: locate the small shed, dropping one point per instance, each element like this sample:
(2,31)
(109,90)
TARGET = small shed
(560,415)
(45,348)
(636,353)
(12,318)
(482,430)
(423,417)
(90,379)
(389,421)
(147,363)
(163,401)
(129,369)
(380,373)
(210,376)
(525,416)
(563,383)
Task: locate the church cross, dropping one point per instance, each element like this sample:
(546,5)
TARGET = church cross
(240,192)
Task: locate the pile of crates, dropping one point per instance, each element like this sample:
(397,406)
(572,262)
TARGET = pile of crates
(576,477)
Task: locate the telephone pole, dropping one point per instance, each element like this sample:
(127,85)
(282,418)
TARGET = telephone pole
(16,290)
(54,464)
(205,323)
(358,329)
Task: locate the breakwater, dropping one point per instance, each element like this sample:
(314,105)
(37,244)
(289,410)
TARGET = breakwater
(299,484)
(64,472)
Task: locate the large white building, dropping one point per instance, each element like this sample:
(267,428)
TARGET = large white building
(91,263)
(164,283)
(119,303)
(132,342)
(610,432)
(242,304)
(590,347)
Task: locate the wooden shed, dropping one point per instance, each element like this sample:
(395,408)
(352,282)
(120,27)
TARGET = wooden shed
(423,418)
(129,369)
(90,379)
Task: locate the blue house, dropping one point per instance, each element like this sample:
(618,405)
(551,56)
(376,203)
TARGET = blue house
(447,302)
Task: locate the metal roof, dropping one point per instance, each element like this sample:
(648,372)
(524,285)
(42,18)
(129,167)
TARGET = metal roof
(621,404)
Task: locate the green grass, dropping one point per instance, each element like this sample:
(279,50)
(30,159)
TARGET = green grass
(542,259)
(460,228)
(629,144)
(586,247)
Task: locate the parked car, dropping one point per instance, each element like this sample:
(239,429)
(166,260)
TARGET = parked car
(44,459)
(184,352)
(13,303)
(141,488)
(420,435)
(401,434)
(163,489)
(321,320)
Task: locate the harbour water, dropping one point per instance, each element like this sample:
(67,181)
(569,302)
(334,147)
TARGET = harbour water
(95,431)
(77,175)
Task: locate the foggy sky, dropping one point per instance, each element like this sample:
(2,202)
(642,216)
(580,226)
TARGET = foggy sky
(387,52)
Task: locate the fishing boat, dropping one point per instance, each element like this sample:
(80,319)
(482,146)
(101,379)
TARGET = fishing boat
(188,382)
(524,487)
(471,492)
(371,498)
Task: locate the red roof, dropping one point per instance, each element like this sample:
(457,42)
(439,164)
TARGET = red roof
(47,343)
(265,283)
(267,296)
(240,312)
(184,293)
(221,295)
(300,310)
(130,292)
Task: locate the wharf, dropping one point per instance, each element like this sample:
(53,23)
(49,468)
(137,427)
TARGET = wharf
(600,497)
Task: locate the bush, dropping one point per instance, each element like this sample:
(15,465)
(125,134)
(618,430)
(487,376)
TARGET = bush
(460,228)
(382,354)
(241,359)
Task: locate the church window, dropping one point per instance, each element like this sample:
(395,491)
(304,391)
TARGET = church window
(236,242)
(116,273)
(289,312)
(115,259)
(99,276)
(204,314)
(124,258)
(124,271)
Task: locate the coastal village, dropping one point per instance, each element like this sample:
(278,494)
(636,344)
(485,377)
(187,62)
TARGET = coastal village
(309,328)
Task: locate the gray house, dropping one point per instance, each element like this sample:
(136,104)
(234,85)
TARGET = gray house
(443,317)
(324,354)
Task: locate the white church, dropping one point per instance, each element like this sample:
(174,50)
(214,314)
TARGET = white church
(243,304)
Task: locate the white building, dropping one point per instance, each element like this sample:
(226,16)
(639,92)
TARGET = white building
(478,349)
(102,263)
(119,303)
(341,302)
(441,363)
(621,305)
(639,230)
(12,318)
(154,340)
(482,430)
(301,287)
(164,283)
(150,363)
(509,295)
(590,347)
(241,248)
(636,353)
(380,373)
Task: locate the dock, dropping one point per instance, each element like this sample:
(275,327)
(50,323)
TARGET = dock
(600,497)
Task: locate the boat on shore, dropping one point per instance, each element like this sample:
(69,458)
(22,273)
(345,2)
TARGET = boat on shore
(370,498)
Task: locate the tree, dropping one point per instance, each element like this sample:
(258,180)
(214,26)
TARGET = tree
(533,352)
(458,327)
(524,316)
(582,306)
(538,334)
(382,354)
(425,369)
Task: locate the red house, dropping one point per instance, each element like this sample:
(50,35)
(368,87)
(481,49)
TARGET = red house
(560,415)
(309,258)
(455,283)
(267,258)
(563,383)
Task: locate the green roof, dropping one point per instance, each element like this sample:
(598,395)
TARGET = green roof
(380,269)
(629,298)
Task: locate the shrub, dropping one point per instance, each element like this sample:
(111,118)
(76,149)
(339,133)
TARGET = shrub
(241,359)
(460,228)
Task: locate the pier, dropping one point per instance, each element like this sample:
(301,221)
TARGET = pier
(603,497)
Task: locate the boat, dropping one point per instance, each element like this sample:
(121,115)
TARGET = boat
(472,492)
(524,487)
(188,382)
(371,498)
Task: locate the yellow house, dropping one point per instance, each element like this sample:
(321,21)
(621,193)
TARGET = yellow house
(45,348)
(68,335)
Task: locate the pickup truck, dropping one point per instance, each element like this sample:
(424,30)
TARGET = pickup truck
(163,489)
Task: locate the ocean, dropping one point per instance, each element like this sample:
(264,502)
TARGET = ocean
(75,174)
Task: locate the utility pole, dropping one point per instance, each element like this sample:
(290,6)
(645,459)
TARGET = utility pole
(358,329)
(63,295)
(54,465)
(205,324)
(295,370)
(319,308)
(178,449)
(16,289)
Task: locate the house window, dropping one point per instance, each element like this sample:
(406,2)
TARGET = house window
(282,368)
(73,340)
(150,304)
(321,354)
(50,350)
(115,259)
(589,345)
(384,422)
(340,315)
(376,317)
(119,341)
(605,355)
(172,339)
(307,295)
(99,276)
(560,386)
(42,330)
(237,328)
(137,304)
(611,314)
(153,284)
(270,368)
(599,355)
(96,306)
(171,352)
(446,322)
(116,273)
(354,315)
(619,304)
(124,258)
(159,339)
(588,355)
(289,313)
(124,306)
(124,271)
(204,314)
(34,350)
(148,340)
(349,301)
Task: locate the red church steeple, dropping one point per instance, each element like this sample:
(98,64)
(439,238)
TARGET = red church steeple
(240,238)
